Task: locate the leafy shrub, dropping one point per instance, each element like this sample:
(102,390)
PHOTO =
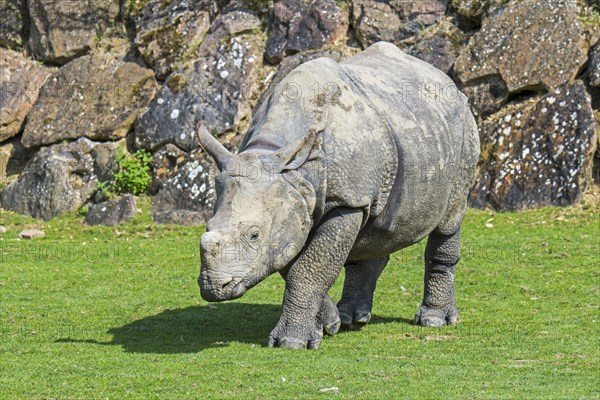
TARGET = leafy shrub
(133,175)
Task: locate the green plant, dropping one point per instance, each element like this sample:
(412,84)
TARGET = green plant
(591,16)
(99,37)
(134,7)
(82,211)
(133,175)
(105,190)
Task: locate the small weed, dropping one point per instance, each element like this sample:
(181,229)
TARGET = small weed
(82,211)
(105,190)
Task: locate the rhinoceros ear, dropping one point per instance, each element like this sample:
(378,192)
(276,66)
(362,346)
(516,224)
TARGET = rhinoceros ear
(297,155)
(211,145)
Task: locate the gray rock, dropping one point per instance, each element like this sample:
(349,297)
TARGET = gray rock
(537,153)
(105,159)
(32,234)
(20,83)
(477,9)
(166,35)
(393,21)
(95,96)
(232,22)
(112,212)
(439,44)
(486,96)
(374,21)
(545,52)
(186,196)
(57,179)
(2,230)
(63,30)
(11,26)
(216,88)
(297,26)
(594,66)
(165,161)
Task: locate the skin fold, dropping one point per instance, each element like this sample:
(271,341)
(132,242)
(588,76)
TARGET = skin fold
(344,164)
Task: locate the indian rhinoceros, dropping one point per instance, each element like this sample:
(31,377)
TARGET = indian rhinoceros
(343,164)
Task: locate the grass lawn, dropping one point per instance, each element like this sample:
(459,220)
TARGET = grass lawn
(98,312)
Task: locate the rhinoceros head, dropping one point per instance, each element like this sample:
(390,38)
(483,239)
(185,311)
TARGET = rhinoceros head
(263,215)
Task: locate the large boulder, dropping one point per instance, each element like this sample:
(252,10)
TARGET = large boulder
(216,88)
(20,83)
(537,153)
(112,212)
(296,26)
(12,13)
(393,21)
(63,30)
(166,34)
(95,96)
(186,196)
(526,46)
(58,179)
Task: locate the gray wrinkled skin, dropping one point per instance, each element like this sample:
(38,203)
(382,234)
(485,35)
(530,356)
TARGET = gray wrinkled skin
(344,164)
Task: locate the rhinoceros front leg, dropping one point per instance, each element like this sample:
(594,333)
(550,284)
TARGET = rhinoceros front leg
(311,277)
(357,296)
(439,305)
(328,317)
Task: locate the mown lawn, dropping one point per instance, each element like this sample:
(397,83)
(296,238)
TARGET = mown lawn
(92,313)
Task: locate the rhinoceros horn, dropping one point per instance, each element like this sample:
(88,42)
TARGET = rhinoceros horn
(211,145)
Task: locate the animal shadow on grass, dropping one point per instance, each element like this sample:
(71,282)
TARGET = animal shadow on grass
(193,329)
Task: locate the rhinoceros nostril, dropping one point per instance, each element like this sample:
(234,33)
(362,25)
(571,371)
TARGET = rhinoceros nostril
(226,282)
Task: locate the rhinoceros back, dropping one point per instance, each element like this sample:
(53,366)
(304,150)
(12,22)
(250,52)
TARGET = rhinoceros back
(433,129)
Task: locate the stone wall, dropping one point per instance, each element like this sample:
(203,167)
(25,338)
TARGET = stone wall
(81,79)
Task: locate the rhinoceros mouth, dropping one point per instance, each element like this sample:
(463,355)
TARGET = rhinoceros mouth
(234,290)
(215,293)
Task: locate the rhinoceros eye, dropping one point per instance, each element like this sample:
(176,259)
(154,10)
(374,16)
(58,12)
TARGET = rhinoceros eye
(253,234)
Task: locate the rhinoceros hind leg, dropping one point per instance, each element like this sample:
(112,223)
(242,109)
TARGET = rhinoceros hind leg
(441,256)
(357,296)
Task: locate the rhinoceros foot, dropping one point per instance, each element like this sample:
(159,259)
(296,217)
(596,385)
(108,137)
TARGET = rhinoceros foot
(428,316)
(329,317)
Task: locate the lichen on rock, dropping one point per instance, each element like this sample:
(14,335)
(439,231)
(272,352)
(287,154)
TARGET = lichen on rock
(538,152)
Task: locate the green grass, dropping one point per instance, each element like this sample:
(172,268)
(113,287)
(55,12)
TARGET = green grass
(98,312)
